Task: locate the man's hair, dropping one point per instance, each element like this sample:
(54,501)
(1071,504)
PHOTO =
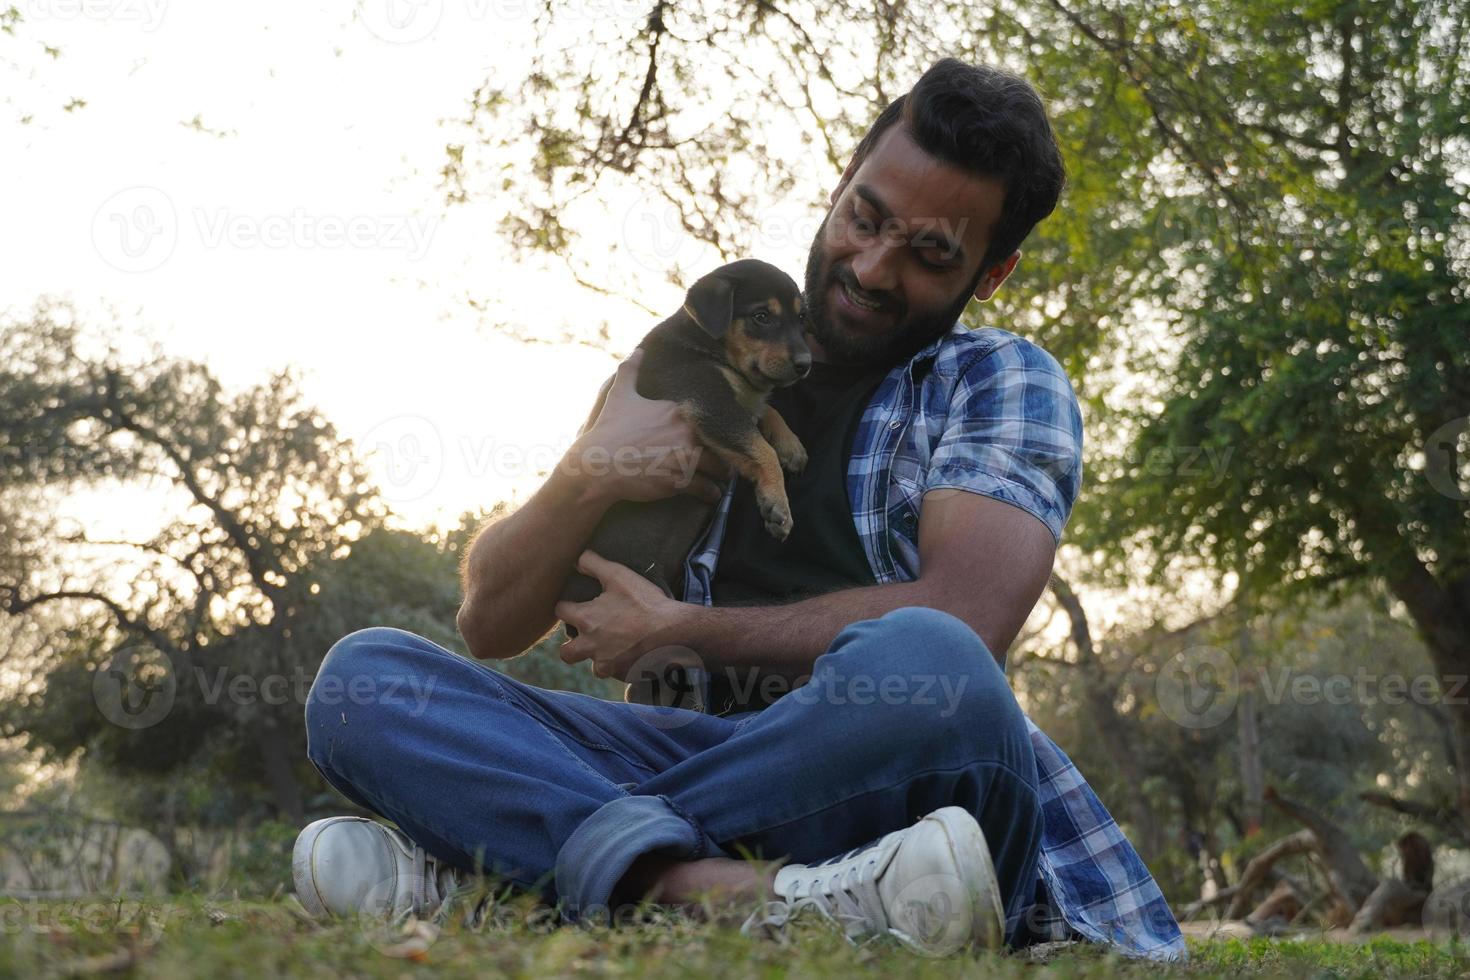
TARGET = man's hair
(989,122)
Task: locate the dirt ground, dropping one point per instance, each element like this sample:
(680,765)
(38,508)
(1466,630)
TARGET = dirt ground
(1239,930)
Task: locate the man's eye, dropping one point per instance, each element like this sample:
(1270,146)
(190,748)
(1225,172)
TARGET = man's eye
(863,224)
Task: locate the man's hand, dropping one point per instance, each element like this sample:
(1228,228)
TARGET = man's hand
(645,449)
(629,619)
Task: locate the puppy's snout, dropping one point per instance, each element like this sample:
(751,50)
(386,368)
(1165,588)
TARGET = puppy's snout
(803,364)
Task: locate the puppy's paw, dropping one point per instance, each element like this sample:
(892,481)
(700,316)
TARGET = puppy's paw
(777,515)
(793,456)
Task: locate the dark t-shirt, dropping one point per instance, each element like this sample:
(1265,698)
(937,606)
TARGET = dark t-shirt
(823,553)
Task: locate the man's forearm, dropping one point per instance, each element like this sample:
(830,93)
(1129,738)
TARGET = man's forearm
(787,639)
(516,568)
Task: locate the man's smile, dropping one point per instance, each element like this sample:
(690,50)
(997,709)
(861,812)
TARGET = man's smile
(858,307)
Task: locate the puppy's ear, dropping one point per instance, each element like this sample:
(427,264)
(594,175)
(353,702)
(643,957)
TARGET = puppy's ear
(710,302)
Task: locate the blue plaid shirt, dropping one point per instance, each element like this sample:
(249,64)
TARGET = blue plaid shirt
(985,411)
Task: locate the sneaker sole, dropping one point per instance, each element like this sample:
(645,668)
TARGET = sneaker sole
(967,843)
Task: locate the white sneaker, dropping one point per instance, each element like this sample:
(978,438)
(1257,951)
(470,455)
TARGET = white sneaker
(346,866)
(930,886)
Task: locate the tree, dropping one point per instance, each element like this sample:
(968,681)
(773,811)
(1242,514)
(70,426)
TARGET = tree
(698,121)
(1320,309)
(264,486)
(273,547)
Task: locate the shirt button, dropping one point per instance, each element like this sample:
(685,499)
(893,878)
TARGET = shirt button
(908,518)
(894,424)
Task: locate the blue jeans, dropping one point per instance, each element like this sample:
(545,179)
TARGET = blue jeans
(561,792)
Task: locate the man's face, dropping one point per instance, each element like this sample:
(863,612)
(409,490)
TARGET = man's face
(898,256)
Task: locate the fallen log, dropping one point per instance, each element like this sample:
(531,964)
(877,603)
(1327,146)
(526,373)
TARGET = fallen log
(1392,903)
(1284,903)
(1348,877)
(1255,872)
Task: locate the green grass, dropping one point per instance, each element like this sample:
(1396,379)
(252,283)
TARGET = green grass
(192,937)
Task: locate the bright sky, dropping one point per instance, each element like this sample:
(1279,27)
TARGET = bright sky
(303,227)
(298,224)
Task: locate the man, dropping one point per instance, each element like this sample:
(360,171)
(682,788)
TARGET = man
(868,736)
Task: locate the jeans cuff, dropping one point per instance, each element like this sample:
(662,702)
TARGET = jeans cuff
(600,851)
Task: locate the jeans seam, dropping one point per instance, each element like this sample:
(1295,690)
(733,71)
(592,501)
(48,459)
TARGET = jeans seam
(701,848)
(545,722)
(553,730)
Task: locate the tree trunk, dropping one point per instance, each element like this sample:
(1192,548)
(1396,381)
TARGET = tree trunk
(1110,726)
(1252,779)
(1442,614)
(280,772)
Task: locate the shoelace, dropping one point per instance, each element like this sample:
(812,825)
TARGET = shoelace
(427,872)
(420,897)
(848,899)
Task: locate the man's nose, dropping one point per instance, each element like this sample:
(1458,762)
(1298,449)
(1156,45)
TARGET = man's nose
(875,268)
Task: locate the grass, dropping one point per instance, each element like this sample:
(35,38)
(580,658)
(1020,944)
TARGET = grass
(189,937)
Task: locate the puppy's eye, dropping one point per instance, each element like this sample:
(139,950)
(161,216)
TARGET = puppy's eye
(761,317)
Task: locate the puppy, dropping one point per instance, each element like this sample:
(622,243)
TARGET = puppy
(736,339)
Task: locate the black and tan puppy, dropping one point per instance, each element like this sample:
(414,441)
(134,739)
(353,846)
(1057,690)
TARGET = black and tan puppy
(737,338)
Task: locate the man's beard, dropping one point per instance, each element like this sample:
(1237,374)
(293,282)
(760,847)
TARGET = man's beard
(910,333)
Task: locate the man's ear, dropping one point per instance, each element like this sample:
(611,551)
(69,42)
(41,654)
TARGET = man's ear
(994,276)
(710,302)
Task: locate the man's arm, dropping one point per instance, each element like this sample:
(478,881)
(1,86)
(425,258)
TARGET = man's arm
(981,560)
(514,571)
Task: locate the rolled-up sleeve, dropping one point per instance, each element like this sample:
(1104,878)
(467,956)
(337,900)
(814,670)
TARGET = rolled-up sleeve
(1013,433)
